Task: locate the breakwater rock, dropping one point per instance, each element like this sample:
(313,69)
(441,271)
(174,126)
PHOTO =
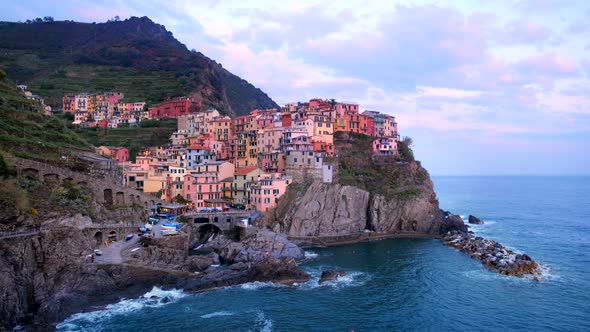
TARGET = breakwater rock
(492,254)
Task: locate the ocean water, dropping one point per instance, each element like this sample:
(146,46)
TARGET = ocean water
(405,285)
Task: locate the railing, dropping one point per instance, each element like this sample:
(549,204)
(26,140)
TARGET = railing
(8,235)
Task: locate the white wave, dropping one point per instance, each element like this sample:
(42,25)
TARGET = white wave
(310,255)
(350,279)
(547,273)
(262,323)
(259,284)
(154,298)
(217,314)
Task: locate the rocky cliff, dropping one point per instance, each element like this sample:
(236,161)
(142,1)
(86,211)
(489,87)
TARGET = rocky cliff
(336,210)
(369,195)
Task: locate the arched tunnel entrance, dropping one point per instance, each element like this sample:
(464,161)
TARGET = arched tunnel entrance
(112,236)
(98,239)
(207,232)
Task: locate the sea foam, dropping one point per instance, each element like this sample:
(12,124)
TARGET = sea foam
(154,298)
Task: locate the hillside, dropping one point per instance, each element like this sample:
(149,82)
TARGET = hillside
(27,133)
(132,138)
(136,56)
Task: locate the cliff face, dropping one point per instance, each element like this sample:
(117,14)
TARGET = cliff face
(336,210)
(40,274)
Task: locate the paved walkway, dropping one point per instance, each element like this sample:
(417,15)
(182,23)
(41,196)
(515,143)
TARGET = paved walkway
(112,253)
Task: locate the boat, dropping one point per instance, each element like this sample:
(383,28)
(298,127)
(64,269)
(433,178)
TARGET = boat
(97,252)
(170,224)
(143,229)
(148,227)
(167,232)
(129,237)
(134,249)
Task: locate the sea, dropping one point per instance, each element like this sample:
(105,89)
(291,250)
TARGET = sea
(408,285)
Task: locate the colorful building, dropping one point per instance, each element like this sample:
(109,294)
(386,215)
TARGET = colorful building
(173,108)
(265,193)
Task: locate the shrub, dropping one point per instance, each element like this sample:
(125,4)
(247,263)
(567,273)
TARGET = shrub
(2,74)
(149,123)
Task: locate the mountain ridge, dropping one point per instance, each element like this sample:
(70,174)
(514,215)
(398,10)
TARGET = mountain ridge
(136,56)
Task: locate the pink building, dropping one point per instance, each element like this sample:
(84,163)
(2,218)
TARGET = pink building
(385,146)
(346,108)
(265,194)
(202,189)
(120,154)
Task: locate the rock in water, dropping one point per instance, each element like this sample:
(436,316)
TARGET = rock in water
(475,220)
(330,275)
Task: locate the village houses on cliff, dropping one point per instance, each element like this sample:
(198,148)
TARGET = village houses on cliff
(249,160)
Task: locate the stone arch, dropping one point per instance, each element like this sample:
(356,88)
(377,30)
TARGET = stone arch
(120,198)
(67,181)
(152,202)
(83,183)
(207,230)
(131,199)
(113,235)
(32,173)
(51,178)
(108,196)
(137,198)
(145,204)
(98,238)
(216,220)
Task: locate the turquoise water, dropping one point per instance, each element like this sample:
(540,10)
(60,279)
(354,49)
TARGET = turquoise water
(410,284)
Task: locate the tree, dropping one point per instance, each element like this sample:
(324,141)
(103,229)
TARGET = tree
(69,117)
(47,19)
(38,20)
(179,199)
(405,148)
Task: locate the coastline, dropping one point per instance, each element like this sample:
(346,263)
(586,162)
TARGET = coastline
(330,241)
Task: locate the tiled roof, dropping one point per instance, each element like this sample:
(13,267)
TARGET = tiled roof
(245,170)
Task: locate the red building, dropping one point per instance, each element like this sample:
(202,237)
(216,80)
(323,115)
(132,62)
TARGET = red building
(173,108)
(102,123)
(286,120)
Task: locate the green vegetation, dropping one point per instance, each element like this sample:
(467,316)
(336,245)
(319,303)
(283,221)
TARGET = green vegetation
(131,138)
(179,199)
(135,56)
(27,133)
(71,196)
(149,123)
(393,177)
(408,194)
(405,148)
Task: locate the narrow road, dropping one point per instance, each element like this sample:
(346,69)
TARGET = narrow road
(112,253)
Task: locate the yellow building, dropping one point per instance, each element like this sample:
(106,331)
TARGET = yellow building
(243,178)
(220,128)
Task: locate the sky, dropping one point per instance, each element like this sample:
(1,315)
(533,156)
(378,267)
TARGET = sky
(482,87)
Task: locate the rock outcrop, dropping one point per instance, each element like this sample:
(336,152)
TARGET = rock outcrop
(492,254)
(256,247)
(475,220)
(323,210)
(330,275)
